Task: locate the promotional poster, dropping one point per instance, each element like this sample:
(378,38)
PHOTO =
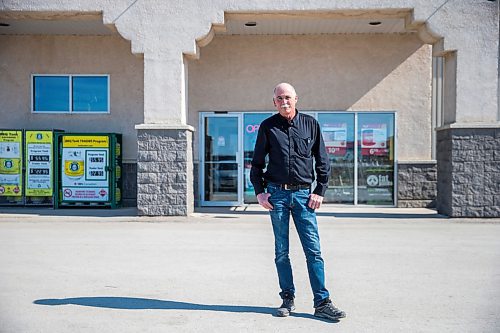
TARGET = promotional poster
(374,140)
(84,167)
(39,171)
(335,137)
(11,163)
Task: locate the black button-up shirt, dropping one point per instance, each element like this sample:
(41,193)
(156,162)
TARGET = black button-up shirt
(291,146)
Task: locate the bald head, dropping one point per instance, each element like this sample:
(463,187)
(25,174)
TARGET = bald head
(285,99)
(284,87)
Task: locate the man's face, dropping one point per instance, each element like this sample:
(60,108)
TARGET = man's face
(285,100)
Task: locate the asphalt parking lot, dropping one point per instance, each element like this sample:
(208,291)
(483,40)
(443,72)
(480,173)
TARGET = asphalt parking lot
(391,270)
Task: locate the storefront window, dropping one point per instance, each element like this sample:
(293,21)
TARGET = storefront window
(376,158)
(360,147)
(338,134)
(251,123)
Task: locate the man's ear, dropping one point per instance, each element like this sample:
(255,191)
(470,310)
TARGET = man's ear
(296,98)
(274,102)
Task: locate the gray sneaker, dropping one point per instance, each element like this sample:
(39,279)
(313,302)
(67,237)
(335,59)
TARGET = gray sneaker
(286,307)
(329,311)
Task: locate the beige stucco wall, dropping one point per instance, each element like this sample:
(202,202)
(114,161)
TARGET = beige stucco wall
(450,88)
(22,56)
(164,30)
(329,72)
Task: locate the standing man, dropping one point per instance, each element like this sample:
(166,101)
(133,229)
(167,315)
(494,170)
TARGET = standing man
(292,140)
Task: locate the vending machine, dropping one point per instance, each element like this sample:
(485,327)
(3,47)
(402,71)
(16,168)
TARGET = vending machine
(39,167)
(11,167)
(88,170)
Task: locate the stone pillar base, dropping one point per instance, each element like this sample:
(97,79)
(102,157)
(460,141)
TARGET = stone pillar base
(468,172)
(417,184)
(129,190)
(164,171)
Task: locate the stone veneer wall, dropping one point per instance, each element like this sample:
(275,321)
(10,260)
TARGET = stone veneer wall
(164,172)
(196,184)
(417,184)
(129,187)
(469,172)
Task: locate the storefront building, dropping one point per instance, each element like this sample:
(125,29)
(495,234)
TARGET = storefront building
(406,93)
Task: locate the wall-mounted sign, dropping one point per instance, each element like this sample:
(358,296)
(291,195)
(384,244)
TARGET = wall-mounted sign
(39,174)
(11,163)
(84,167)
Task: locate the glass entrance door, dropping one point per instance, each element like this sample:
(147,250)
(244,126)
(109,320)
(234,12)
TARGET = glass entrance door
(221,160)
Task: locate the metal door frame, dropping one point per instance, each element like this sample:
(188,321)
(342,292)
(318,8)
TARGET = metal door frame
(394,113)
(238,161)
(240,157)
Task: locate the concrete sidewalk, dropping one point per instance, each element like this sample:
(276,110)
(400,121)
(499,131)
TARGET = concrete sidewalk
(391,270)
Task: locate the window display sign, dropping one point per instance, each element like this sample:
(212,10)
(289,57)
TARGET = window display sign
(335,137)
(39,174)
(11,163)
(374,140)
(84,166)
(251,125)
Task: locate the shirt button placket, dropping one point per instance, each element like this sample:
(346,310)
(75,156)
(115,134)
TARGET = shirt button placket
(292,156)
(290,170)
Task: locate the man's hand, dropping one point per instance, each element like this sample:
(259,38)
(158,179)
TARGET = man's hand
(315,201)
(263,200)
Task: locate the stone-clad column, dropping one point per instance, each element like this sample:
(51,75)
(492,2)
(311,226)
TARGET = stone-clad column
(469,171)
(164,170)
(417,184)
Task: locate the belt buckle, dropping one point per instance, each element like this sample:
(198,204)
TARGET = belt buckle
(286,187)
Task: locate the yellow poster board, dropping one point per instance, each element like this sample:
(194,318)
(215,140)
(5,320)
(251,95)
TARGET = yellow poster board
(75,141)
(11,152)
(39,159)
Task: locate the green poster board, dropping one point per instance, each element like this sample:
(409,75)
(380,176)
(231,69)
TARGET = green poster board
(89,169)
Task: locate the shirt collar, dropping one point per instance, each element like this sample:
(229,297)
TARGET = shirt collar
(291,122)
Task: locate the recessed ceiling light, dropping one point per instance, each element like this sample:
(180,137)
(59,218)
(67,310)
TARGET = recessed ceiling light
(375,23)
(4,24)
(251,24)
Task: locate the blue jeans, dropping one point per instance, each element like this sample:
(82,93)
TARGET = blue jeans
(295,202)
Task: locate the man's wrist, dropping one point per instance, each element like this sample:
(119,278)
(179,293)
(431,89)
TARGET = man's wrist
(320,190)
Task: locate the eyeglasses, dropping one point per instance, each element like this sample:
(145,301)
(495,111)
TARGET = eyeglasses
(284,98)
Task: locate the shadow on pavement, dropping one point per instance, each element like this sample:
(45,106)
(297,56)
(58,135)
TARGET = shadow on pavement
(229,214)
(87,212)
(382,215)
(132,303)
